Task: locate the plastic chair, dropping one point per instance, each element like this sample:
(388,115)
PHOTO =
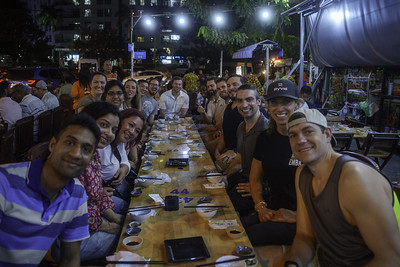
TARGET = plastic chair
(45,122)
(66,101)
(23,136)
(380,146)
(58,119)
(40,150)
(362,158)
(7,152)
(343,140)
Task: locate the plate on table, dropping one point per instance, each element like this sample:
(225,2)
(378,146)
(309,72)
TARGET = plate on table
(176,136)
(186,249)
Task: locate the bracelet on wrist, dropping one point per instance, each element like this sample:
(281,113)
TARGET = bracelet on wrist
(289,263)
(260,204)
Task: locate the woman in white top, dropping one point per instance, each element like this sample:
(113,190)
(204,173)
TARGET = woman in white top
(114,158)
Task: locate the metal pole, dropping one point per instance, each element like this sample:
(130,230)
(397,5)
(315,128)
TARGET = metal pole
(132,46)
(220,65)
(132,43)
(266,68)
(301,71)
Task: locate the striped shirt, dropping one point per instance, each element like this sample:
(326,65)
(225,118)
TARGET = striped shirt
(29,222)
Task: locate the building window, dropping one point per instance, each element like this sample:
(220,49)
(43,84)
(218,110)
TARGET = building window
(132,2)
(140,39)
(87,37)
(99,2)
(175,37)
(142,2)
(100,13)
(153,3)
(167,3)
(76,2)
(76,36)
(107,12)
(166,30)
(107,26)
(100,26)
(88,2)
(88,13)
(108,2)
(76,26)
(87,24)
(165,38)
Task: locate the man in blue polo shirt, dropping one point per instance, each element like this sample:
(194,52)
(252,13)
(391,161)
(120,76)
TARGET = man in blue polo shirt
(41,200)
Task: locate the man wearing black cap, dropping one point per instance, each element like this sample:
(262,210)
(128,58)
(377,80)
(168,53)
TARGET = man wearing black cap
(343,205)
(274,167)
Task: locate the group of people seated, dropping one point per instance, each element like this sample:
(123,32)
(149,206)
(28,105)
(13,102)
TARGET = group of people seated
(285,181)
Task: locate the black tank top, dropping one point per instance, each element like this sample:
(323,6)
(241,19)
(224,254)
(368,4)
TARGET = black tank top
(339,243)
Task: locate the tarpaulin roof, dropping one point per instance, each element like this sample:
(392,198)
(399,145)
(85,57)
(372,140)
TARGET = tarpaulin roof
(256,51)
(356,33)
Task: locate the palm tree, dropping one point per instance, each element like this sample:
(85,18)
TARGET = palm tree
(48,18)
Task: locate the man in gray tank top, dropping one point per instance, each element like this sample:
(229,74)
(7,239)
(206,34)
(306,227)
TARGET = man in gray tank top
(344,207)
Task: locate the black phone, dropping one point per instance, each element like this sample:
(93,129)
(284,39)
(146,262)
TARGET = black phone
(171,203)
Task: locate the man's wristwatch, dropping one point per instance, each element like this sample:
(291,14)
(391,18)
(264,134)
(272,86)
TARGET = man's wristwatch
(290,264)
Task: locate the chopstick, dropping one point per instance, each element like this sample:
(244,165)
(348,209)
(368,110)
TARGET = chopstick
(145,208)
(135,262)
(210,207)
(210,175)
(148,178)
(226,261)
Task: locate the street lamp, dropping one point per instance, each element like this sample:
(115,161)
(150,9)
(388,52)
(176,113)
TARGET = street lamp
(132,43)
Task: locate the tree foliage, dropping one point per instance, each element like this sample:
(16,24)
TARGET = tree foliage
(243,26)
(20,37)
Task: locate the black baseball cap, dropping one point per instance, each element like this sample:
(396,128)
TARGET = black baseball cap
(282,88)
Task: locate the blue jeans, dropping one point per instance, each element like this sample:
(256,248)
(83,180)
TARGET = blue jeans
(97,246)
(120,205)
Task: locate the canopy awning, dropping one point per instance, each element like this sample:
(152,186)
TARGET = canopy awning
(257,51)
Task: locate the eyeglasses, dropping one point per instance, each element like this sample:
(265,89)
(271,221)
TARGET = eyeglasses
(117,93)
(284,102)
(154,84)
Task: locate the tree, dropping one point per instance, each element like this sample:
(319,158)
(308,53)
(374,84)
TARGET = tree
(48,18)
(20,37)
(243,27)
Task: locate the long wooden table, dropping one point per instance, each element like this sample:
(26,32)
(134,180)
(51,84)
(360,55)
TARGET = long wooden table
(184,222)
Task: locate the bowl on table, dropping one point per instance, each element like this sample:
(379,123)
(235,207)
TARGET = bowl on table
(251,262)
(147,168)
(235,231)
(135,224)
(140,215)
(133,231)
(214,177)
(205,212)
(154,142)
(136,192)
(132,242)
(151,156)
(244,251)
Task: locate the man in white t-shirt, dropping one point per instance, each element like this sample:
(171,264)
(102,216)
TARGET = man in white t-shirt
(174,101)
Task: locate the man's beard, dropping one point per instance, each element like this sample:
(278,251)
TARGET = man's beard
(211,93)
(224,96)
